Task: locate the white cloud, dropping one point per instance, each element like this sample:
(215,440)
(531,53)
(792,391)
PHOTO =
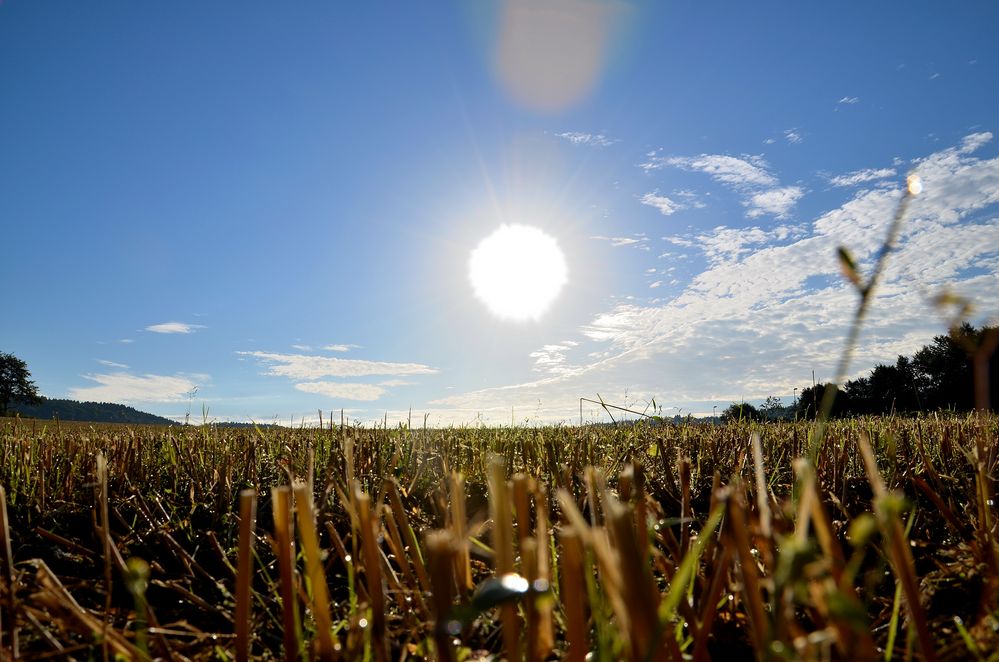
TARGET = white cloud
(690,199)
(730,170)
(763,315)
(749,175)
(793,136)
(112,364)
(122,387)
(592,139)
(551,359)
(769,141)
(343,347)
(655,284)
(661,202)
(678,241)
(776,201)
(395,382)
(862,176)
(724,244)
(126,341)
(307,367)
(849,100)
(638,241)
(302,348)
(974,141)
(174,327)
(342,391)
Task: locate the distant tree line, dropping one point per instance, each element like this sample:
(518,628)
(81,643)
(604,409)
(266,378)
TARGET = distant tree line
(940,376)
(71,410)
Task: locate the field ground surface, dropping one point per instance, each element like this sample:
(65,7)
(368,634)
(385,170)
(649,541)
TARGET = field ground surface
(874,540)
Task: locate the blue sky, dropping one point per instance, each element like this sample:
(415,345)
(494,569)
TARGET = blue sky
(276,204)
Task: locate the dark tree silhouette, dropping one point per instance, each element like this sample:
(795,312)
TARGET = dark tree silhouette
(941,375)
(741,411)
(945,370)
(810,400)
(15,383)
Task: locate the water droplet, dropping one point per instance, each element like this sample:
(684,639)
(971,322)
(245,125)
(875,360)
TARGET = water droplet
(453,628)
(363,623)
(540,586)
(514,582)
(346,558)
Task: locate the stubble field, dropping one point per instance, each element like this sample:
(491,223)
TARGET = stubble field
(643,542)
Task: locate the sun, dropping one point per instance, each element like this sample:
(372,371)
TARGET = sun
(517,272)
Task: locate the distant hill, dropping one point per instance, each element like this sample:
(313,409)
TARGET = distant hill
(91,412)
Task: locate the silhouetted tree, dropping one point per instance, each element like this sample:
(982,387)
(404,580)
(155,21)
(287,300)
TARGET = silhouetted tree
(894,388)
(810,402)
(741,411)
(15,383)
(944,370)
(938,376)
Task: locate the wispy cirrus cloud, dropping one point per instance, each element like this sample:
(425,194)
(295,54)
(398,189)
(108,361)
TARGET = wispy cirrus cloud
(729,170)
(974,141)
(341,347)
(725,244)
(750,175)
(858,177)
(395,382)
(793,136)
(639,241)
(311,367)
(112,364)
(309,372)
(775,201)
(848,100)
(551,359)
(590,139)
(124,387)
(342,391)
(665,205)
(174,327)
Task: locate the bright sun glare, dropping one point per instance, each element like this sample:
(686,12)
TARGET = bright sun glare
(517,271)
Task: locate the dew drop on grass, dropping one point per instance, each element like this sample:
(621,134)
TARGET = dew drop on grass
(363,623)
(514,583)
